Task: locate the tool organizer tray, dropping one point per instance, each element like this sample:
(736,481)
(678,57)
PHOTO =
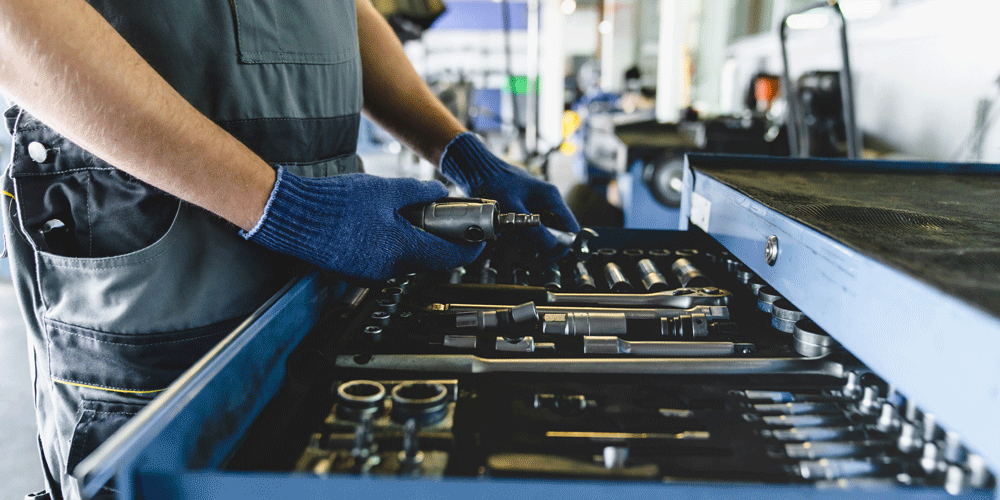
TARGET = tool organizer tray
(419,386)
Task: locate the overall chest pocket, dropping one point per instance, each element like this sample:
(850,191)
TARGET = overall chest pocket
(299,31)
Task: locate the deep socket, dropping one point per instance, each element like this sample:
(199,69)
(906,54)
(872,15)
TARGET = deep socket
(688,275)
(615,277)
(766,297)
(455,275)
(784,315)
(650,276)
(582,278)
(487,274)
(552,278)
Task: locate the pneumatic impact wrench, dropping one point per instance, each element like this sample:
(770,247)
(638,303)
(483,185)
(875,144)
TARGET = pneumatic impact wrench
(469,220)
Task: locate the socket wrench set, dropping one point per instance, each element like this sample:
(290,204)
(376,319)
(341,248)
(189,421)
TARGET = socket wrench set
(640,356)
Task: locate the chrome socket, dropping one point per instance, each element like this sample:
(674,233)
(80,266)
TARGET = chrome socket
(360,399)
(424,402)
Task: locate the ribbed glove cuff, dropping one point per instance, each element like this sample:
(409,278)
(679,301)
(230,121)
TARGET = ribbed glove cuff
(286,223)
(468,163)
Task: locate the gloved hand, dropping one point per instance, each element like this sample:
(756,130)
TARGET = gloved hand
(481,174)
(349,224)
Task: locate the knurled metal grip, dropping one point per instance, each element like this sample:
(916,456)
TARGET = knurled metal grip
(470,220)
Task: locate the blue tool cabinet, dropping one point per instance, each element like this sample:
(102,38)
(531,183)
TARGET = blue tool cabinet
(934,347)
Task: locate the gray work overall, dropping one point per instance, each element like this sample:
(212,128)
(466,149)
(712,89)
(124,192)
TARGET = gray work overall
(124,286)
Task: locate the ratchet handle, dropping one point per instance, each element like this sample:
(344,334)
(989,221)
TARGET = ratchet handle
(465,220)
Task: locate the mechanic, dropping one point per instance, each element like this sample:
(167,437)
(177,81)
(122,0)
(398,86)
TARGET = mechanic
(153,139)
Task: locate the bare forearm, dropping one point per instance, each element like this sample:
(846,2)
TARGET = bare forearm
(395,96)
(61,61)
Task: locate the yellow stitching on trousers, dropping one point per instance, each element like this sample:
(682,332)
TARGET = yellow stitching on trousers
(128,391)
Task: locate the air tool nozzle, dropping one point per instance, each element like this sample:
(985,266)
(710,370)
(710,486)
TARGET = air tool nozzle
(469,220)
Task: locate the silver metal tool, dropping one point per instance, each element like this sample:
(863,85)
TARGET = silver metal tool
(523,344)
(552,278)
(468,363)
(650,276)
(744,274)
(784,315)
(622,436)
(410,457)
(593,344)
(805,420)
(810,340)
(837,468)
(582,278)
(888,418)
(468,220)
(425,402)
(487,273)
(455,275)
(835,449)
(615,277)
(358,400)
(815,433)
(499,317)
(796,408)
(609,319)
(680,298)
(374,333)
(388,305)
(460,341)
(690,323)
(689,275)
(755,284)
(766,297)
(792,397)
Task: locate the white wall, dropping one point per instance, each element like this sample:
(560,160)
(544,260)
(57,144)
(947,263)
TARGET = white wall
(920,70)
(580,35)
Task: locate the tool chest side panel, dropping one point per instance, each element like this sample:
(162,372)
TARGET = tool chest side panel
(939,350)
(205,413)
(215,486)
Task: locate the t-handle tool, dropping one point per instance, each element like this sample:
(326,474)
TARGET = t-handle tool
(469,220)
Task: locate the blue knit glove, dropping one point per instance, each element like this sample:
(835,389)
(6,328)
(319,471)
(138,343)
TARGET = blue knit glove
(349,224)
(481,174)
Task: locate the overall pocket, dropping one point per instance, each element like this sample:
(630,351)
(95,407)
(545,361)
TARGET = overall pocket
(71,203)
(96,422)
(127,364)
(300,31)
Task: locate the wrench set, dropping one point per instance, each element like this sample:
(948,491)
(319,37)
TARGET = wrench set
(642,358)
